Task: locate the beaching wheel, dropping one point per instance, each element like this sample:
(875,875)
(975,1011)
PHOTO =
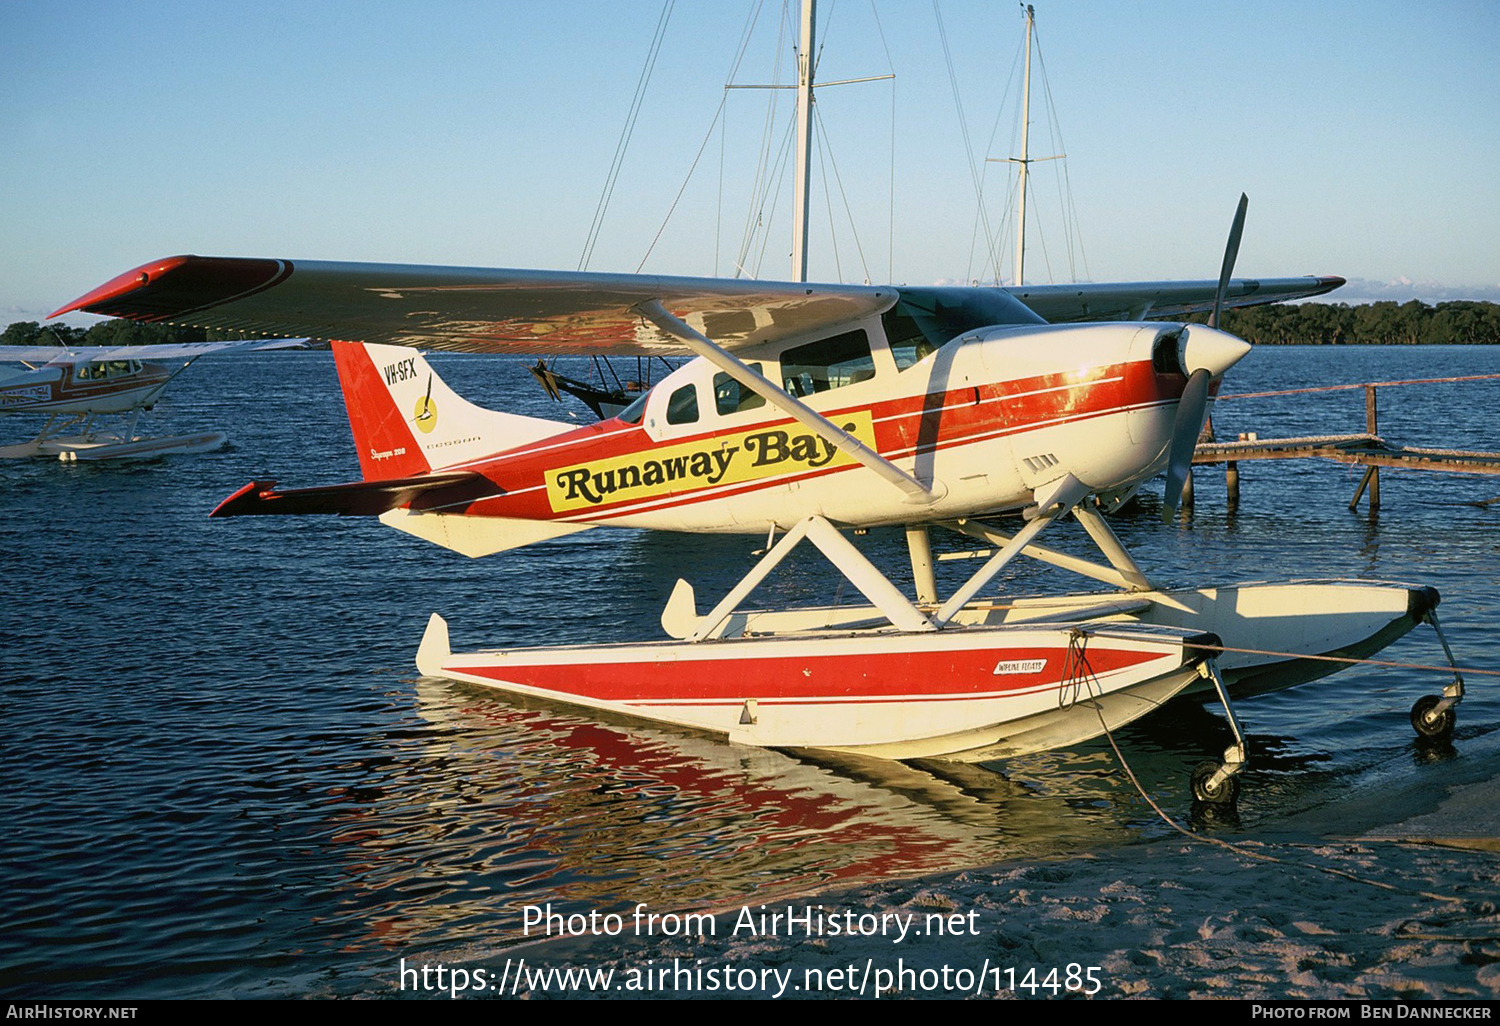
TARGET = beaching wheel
(1428,726)
(1203,788)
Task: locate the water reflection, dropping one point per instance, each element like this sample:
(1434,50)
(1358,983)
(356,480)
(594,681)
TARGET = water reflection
(499,804)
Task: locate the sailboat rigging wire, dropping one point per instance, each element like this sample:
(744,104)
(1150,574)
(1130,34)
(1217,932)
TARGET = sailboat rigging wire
(964,129)
(826,152)
(1041,236)
(719,113)
(1071,230)
(1036,218)
(843,195)
(771,189)
(823,153)
(629,129)
(823,36)
(754,213)
(1009,203)
(683,188)
(890,245)
(1068,213)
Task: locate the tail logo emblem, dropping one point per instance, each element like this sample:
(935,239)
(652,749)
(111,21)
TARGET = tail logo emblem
(425,413)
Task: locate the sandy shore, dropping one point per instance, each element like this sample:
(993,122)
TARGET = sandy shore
(1339,906)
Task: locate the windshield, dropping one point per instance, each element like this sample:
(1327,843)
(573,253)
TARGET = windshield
(633,413)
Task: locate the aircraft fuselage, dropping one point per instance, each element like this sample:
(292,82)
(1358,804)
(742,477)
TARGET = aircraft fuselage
(982,421)
(84,387)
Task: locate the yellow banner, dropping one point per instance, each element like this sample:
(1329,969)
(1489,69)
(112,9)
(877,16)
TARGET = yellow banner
(705,463)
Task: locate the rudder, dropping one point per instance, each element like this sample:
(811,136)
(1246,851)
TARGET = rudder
(407,421)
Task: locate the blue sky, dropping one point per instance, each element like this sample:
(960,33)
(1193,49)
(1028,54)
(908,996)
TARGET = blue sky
(1365,133)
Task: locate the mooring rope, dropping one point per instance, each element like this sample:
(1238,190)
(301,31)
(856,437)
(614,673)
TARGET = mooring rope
(1351,660)
(1085,673)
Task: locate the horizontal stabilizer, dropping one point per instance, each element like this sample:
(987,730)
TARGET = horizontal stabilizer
(360,498)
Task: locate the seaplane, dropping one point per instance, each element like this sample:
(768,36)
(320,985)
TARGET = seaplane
(805,412)
(93,397)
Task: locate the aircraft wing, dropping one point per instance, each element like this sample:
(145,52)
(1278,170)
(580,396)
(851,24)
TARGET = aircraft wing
(1135,301)
(471,309)
(162,351)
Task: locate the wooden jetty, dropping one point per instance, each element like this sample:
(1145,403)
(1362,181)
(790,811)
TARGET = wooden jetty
(1368,449)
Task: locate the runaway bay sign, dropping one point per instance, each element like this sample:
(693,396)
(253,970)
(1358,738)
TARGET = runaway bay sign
(720,460)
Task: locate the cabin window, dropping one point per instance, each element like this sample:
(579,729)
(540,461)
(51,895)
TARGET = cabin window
(682,408)
(827,363)
(732,397)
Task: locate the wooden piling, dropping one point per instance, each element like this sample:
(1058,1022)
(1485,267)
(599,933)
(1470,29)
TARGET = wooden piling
(1371,427)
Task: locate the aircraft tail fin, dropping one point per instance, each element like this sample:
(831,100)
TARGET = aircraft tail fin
(407,421)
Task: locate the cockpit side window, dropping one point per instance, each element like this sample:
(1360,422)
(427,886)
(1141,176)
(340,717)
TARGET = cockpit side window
(909,344)
(827,363)
(682,407)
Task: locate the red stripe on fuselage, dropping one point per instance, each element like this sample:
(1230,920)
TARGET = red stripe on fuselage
(904,427)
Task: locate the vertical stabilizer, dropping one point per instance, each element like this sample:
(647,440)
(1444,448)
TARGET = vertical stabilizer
(406,421)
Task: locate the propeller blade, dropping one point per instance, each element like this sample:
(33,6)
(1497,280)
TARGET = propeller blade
(1191,409)
(1231,253)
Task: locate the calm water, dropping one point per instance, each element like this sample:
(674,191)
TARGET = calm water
(224,777)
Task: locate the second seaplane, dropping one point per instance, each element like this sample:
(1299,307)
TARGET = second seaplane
(93,397)
(808,410)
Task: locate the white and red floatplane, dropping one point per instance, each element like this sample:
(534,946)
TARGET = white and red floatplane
(809,410)
(93,397)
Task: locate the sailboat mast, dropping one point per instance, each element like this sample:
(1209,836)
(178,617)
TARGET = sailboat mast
(1025,159)
(804,142)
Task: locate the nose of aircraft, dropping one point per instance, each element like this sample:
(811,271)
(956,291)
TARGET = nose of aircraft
(1212,350)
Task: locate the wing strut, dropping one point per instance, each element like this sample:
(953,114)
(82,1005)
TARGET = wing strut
(799,411)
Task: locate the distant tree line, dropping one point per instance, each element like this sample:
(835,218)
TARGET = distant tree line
(112,333)
(1386,323)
